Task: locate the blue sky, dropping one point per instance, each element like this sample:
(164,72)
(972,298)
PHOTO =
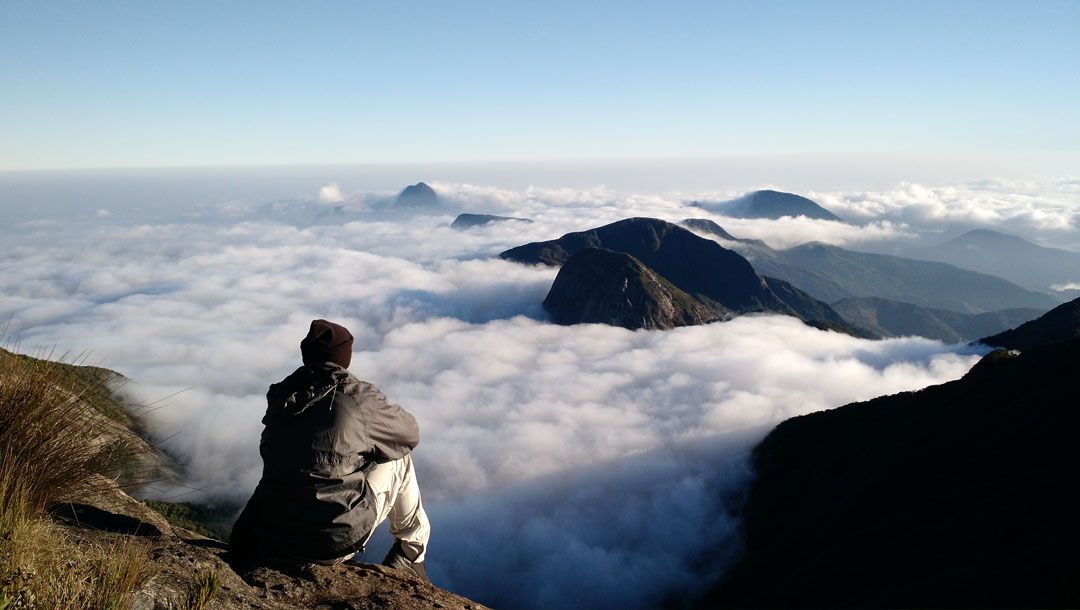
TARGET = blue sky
(118,84)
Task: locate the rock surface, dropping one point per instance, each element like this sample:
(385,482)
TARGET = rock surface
(605,287)
(179,556)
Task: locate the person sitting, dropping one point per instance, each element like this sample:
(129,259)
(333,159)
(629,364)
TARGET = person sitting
(336,463)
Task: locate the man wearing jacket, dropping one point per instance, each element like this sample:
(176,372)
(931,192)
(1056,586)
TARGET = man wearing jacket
(336,463)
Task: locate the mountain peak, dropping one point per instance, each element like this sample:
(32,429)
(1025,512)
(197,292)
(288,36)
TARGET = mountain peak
(704,225)
(988,236)
(418,195)
(606,287)
(769,204)
(703,269)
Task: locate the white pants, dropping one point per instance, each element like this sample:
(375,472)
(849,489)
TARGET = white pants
(397,497)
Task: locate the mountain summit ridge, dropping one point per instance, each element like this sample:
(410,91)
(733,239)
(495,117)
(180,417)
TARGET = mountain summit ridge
(769,204)
(418,195)
(607,287)
(719,278)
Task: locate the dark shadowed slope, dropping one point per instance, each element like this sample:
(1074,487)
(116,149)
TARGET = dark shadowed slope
(960,495)
(1011,257)
(768,204)
(605,287)
(890,318)
(700,267)
(419,195)
(1060,324)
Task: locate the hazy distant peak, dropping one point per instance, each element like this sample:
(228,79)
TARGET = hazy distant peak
(1009,256)
(419,195)
(465,221)
(988,237)
(769,204)
(704,225)
(814,246)
(775,204)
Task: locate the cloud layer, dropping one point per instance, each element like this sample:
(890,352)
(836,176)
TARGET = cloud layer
(1042,209)
(582,466)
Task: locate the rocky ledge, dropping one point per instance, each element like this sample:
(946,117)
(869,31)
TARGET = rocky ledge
(187,565)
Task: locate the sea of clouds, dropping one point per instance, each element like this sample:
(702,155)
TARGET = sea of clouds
(584,466)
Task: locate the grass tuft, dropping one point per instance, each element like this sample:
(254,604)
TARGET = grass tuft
(51,445)
(202,590)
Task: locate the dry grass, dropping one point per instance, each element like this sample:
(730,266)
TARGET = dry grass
(50,446)
(202,590)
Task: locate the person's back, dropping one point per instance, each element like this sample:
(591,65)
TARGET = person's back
(336,462)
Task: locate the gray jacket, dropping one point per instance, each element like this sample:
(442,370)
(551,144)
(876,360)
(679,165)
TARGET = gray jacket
(325,429)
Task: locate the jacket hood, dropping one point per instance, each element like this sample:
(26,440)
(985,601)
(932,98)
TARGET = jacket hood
(307,386)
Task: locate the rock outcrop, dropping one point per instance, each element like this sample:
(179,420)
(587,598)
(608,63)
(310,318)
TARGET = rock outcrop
(181,561)
(605,287)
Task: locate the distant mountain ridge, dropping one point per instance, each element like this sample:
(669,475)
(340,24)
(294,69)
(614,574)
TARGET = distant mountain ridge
(717,277)
(1009,256)
(768,204)
(890,318)
(467,221)
(831,273)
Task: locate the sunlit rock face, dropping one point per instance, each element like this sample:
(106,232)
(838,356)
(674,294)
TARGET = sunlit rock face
(605,287)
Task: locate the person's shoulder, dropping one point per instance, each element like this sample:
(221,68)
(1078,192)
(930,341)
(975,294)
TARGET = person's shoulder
(288,385)
(363,390)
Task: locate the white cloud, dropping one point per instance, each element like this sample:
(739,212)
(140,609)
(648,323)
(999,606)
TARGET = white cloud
(1034,206)
(596,461)
(1065,286)
(788,231)
(103,213)
(331,193)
